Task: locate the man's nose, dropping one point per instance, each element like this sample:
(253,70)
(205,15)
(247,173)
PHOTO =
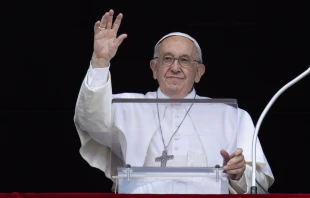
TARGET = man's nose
(175,66)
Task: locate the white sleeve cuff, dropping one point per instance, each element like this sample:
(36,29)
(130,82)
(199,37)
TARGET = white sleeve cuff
(97,77)
(240,186)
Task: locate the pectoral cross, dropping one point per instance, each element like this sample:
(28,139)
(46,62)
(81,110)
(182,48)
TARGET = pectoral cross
(164,158)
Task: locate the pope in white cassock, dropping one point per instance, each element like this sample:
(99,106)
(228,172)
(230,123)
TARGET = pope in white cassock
(176,129)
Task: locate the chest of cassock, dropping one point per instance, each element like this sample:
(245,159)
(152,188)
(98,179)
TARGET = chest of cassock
(137,126)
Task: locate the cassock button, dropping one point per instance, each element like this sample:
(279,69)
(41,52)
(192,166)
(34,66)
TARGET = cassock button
(177,115)
(176,148)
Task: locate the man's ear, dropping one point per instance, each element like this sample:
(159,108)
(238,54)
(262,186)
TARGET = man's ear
(200,71)
(153,67)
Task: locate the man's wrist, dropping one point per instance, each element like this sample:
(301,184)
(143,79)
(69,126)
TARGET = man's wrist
(99,63)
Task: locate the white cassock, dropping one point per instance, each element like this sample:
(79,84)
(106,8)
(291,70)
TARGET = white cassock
(194,144)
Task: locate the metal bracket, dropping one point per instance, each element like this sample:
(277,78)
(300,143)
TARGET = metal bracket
(128,166)
(217,173)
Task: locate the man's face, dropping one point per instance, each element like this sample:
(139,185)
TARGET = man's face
(176,81)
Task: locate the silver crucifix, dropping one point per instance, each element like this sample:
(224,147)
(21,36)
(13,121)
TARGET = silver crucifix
(164,158)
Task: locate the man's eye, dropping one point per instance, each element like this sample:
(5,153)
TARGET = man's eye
(184,59)
(168,58)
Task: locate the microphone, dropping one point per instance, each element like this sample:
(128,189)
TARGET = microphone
(273,99)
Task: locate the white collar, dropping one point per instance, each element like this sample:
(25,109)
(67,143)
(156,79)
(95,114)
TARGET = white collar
(191,95)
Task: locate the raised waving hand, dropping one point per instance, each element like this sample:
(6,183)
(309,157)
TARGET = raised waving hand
(106,41)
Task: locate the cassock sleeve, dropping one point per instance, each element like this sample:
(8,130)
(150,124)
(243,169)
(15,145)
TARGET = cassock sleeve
(97,77)
(264,174)
(93,119)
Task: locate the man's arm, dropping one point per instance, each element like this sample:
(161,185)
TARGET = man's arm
(93,108)
(244,139)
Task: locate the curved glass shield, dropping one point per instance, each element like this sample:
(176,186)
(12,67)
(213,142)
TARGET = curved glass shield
(172,145)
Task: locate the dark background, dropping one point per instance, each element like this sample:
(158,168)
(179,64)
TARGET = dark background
(250,51)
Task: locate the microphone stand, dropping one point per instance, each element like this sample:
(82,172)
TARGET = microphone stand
(254,187)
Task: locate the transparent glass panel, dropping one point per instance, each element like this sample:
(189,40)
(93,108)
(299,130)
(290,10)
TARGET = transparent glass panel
(164,135)
(172,181)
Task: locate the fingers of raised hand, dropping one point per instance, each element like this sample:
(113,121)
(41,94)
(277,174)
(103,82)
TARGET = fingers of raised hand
(110,20)
(104,20)
(117,22)
(107,22)
(120,39)
(97,27)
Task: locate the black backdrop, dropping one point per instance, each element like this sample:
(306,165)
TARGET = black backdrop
(47,46)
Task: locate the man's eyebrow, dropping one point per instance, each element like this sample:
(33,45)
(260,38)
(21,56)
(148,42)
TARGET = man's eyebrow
(169,53)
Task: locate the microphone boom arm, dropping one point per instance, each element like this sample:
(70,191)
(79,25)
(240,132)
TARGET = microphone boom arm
(253,187)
